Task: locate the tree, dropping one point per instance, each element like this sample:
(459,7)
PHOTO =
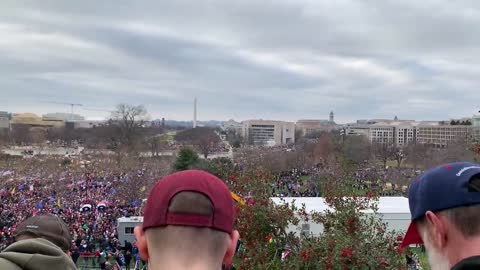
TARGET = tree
(129,120)
(416,154)
(234,138)
(298,135)
(186,159)
(21,134)
(348,233)
(357,148)
(324,149)
(458,150)
(55,134)
(398,156)
(202,138)
(156,144)
(384,151)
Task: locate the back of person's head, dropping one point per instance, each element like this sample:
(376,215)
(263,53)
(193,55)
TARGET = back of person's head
(188,223)
(46,226)
(445,207)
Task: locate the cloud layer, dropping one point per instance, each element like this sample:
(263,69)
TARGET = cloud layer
(283,59)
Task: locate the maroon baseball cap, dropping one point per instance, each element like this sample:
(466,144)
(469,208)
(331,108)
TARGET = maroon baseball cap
(156,213)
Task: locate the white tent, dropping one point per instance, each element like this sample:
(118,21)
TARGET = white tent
(393,210)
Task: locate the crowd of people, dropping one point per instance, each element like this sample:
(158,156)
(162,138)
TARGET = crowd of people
(307,182)
(88,196)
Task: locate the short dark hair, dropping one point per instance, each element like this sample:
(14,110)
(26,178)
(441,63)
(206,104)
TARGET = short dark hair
(191,203)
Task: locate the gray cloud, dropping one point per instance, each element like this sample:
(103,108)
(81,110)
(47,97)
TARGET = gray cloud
(285,59)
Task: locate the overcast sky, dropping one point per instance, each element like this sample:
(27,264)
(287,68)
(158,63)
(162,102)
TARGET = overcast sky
(277,59)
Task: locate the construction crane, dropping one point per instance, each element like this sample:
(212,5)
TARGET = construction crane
(96,110)
(72,105)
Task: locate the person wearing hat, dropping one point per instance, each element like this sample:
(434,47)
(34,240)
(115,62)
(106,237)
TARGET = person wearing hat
(188,223)
(42,242)
(445,207)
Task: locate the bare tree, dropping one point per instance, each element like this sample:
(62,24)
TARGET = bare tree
(398,156)
(324,149)
(21,134)
(55,134)
(416,154)
(384,152)
(357,148)
(129,120)
(203,138)
(459,150)
(156,145)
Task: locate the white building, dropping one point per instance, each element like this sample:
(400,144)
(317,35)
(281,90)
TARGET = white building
(442,135)
(405,132)
(476,120)
(87,123)
(381,133)
(392,210)
(232,125)
(4,120)
(358,130)
(268,132)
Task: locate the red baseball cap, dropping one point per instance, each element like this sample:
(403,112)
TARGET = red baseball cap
(156,212)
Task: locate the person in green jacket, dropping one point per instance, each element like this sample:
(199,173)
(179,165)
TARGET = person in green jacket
(42,242)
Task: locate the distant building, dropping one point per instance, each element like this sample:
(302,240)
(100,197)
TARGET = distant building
(87,123)
(476,120)
(476,132)
(381,133)
(312,126)
(232,125)
(358,130)
(332,117)
(476,126)
(268,132)
(64,116)
(442,135)
(403,132)
(33,120)
(5,120)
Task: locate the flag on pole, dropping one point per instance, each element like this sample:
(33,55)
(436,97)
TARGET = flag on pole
(237,198)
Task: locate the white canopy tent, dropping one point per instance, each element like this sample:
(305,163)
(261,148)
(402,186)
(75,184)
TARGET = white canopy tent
(393,210)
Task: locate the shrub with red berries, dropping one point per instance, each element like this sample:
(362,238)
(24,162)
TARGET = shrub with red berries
(351,239)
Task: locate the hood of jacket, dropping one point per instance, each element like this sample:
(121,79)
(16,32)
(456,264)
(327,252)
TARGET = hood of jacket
(35,254)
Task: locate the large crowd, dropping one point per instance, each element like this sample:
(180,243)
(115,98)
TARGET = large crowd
(91,195)
(86,195)
(307,182)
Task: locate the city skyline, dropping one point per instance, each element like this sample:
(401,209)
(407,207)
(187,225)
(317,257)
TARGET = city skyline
(285,60)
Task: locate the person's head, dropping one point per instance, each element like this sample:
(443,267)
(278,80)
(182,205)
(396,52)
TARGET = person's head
(445,207)
(49,227)
(188,223)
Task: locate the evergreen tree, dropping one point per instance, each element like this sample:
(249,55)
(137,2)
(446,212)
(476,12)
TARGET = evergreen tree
(186,159)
